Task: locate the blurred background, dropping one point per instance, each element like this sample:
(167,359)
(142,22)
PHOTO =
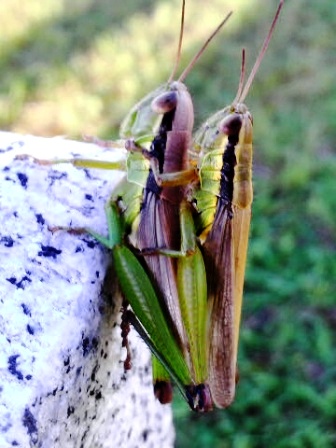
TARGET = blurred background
(69,68)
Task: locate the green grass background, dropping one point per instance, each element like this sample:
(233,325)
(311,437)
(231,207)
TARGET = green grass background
(76,67)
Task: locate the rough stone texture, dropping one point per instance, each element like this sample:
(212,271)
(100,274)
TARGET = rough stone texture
(62,382)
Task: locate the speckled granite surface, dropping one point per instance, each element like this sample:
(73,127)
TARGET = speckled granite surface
(62,382)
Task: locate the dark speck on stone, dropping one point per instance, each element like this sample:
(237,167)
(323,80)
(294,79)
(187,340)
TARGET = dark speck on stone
(23,178)
(12,367)
(88,197)
(7,241)
(26,309)
(49,251)
(29,422)
(30,329)
(40,219)
(90,244)
(22,283)
(86,346)
(145,435)
(70,411)
(11,280)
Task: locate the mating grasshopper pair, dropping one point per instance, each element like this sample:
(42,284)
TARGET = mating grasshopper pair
(178,227)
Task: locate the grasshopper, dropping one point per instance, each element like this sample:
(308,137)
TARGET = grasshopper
(165,209)
(166,285)
(223,199)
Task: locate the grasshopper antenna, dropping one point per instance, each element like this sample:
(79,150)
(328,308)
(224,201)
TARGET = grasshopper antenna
(260,55)
(178,56)
(241,79)
(199,53)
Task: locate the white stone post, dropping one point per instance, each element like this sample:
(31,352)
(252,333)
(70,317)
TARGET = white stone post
(62,380)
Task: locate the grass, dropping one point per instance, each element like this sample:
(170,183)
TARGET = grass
(72,69)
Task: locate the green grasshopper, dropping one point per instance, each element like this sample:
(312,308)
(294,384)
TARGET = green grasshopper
(223,199)
(165,232)
(166,287)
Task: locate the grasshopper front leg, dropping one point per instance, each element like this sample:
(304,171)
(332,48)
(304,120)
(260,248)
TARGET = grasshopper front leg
(77,162)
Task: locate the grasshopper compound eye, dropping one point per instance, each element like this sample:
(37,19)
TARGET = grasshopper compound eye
(165,102)
(230,125)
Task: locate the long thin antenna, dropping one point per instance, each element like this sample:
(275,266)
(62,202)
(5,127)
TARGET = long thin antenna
(261,54)
(178,56)
(241,79)
(199,53)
